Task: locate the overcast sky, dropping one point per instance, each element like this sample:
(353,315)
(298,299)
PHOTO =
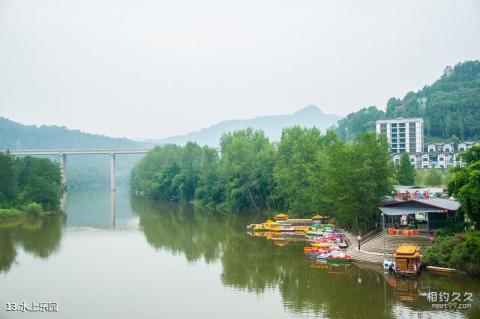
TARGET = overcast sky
(156,68)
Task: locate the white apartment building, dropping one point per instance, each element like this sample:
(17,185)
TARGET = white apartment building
(403,134)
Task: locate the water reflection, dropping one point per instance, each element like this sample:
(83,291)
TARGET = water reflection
(40,237)
(271,261)
(99,208)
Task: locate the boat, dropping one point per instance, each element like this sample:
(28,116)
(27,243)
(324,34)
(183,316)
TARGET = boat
(333,255)
(342,244)
(263,226)
(407,260)
(315,230)
(282,228)
(339,256)
(388,264)
(257,227)
(281,217)
(440,269)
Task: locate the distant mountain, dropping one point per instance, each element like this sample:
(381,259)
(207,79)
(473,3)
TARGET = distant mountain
(450,107)
(272,126)
(14,135)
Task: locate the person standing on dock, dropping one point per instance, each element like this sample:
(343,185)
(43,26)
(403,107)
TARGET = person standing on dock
(359,239)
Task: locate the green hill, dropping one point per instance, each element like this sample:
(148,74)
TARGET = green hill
(450,106)
(83,170)
(14,135)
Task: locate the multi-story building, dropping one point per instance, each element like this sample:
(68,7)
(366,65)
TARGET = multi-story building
(406,135)
(403,134)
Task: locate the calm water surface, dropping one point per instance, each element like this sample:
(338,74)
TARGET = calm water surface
(160,260)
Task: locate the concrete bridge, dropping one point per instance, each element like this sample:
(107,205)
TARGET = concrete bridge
(62,153)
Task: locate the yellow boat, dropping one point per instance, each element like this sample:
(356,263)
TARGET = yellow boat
(262,227)
(441,269)
(281,217)
(407,260)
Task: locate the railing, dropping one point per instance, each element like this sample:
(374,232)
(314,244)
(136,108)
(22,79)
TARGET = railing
(370,234)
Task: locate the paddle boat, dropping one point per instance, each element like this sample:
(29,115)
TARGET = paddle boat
(263,226)
(282,228)
(338,256)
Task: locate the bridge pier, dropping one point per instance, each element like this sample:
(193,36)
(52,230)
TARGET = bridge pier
(112,172)
(63,171)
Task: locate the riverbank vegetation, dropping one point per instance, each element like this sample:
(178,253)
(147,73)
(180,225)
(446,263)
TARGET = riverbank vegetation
(453,248)
(28,186)
(304,174)
(460,251)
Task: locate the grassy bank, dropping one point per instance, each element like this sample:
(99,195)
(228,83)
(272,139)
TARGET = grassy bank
(11,217)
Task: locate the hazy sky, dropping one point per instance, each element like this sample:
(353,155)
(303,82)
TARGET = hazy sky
(156,68)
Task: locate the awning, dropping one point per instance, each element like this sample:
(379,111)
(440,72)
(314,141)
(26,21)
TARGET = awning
(396,211)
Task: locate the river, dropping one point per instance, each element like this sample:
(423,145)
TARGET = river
(161,260)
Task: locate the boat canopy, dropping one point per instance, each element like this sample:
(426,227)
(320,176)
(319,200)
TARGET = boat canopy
(407,251)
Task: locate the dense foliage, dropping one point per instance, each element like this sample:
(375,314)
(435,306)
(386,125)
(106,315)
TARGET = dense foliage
(465,184)
(359,122)
(305,173)
(460,251)
(29,184)
(405,171)
(356,178)
(450,107)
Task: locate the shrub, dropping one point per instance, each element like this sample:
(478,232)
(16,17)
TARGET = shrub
(466,255)
(32,208)
(440,252)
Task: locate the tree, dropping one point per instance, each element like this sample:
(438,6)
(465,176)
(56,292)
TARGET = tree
(8,183)
(246,166)
(359,122)
(465,184)
(406,172)
(39,181)
(210,189)
(356,179)
(294,168)
(433,178)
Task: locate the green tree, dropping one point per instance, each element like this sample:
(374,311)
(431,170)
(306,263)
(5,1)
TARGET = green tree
(246,166)
(359,122)
(39,181)
(406,172)
(433,177)
(210,189)
(357,177)
(8,183)
(465,184)
(295,167)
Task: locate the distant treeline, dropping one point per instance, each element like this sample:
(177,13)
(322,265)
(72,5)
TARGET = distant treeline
(29,184)
(450,107)
(304,174)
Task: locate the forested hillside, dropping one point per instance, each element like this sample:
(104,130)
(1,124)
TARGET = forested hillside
(83,170)
(450,107)
(14,135)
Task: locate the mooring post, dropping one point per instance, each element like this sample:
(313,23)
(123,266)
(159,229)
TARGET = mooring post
(112,172)
(63,171)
